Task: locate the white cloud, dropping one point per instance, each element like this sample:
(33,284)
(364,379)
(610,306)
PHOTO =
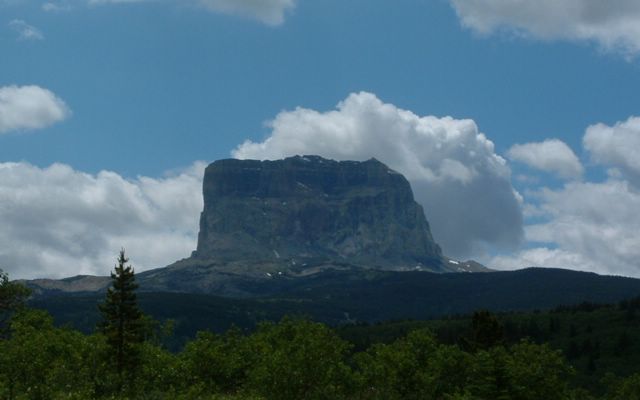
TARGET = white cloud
(59,222)
(58,6)
(29,107)
(97,2)
(270,12)
(617,146)
(613,25)
(551,155)
(590,226)
(544,257)
(25,31)
(454,171)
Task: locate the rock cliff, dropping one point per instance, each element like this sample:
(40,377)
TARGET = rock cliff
(309,209)
(274,226)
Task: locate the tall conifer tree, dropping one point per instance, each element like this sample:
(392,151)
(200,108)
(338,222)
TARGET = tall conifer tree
(122,320)
(12,297)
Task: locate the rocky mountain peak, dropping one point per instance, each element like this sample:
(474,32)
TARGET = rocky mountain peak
(310,208)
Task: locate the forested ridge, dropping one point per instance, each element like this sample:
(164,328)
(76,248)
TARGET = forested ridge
(338,297)
(587,351)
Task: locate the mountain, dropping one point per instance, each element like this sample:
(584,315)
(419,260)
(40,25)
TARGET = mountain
(336,241)
(237,280)
(293,218)
(303,209)
(348,296)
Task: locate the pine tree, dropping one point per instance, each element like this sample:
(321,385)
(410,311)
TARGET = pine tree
(12,298)
(122,321)
(486,331)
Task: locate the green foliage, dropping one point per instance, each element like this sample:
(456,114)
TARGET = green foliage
(488,376)
(41,360)
(293,359)
(122,322)
(414,367)
(536,372)
(486,331)
(216,363)
(298,359)
(158,372)
(594,339)
(12,298)
(622,388)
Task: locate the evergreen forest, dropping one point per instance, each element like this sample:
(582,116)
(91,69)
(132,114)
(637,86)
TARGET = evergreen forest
(586,351)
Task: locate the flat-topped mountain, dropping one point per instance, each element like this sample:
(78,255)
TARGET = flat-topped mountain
(292,218)
(338,241)
(310,208)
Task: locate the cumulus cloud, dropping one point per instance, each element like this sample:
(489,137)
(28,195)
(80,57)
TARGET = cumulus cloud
(551,155)
(455,173)
(29,107)
(59,222)
(25,31)
(617,146)
(613,25)
(589,226)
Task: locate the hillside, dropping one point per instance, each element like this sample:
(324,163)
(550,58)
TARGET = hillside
(596,339)
(338,297)
(272,224)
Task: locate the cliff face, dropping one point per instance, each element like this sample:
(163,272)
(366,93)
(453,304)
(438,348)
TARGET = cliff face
(309,208)
(272,227)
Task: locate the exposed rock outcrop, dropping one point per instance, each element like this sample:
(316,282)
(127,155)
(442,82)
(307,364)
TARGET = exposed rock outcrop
(310,208)
(268,226)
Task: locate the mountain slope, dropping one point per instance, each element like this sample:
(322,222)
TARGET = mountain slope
(337,297)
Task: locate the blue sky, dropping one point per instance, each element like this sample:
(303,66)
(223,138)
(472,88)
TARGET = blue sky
(110,109)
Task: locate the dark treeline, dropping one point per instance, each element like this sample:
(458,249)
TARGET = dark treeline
(481,357)
(596,340)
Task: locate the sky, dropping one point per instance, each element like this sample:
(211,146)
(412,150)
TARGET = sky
(516,122)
